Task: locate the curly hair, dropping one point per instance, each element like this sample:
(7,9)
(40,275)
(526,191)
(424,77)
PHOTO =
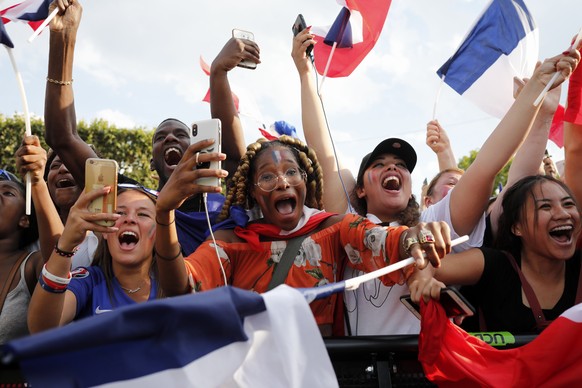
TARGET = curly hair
(239,188)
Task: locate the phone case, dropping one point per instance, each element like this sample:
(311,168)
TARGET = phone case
(241,34)
(100,173)
(208,129)
(299,26)
(453,302)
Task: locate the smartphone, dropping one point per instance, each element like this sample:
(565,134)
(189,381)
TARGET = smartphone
(454,303)
(100,173)
(208,129)
(299,26)
(241,34)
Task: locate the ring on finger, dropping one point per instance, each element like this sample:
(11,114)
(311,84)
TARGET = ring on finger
(408,243)
(425,236)
(197,155)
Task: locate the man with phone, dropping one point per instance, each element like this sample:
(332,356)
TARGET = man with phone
(171,139)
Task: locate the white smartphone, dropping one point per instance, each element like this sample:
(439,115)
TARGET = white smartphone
(202,130)
(454,303)
(241,34)
(98,174)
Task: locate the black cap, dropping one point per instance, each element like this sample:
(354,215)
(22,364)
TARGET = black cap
(392,146)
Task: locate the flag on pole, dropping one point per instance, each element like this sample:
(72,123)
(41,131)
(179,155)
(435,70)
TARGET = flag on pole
(224,337)
(502,44)
(354,32)
(33,12)
(4,38)
(452,358)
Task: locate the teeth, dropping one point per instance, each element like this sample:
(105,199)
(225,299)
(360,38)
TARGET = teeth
(129,233)
(173,149)
(391,178)
(564,227)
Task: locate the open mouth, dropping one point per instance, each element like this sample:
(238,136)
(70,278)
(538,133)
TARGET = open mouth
(172,156)
(391,183)
(286,206)
(562,234)
(128,239)
(65,183)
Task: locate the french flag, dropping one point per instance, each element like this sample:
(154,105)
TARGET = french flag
(452,358)
(503,43)
(225,337)
(28,10)
(4,38)
(354,32)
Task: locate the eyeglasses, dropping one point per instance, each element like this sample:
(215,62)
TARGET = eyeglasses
(293,177)
(153,194)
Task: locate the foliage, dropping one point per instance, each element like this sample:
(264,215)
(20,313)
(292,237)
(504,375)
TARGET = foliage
(501,178)
(132,148)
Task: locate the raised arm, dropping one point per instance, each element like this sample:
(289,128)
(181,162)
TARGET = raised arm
(438,141)
(315,130)
(31,157)
(49,308)
(528,157)
(469,199)
(59,112)
(221,102)
(573,135)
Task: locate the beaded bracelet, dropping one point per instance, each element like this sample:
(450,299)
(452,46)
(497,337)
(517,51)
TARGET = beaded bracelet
(54,278)
(60,252)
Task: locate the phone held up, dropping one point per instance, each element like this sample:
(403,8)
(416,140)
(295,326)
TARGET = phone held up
(299,26)
(241,34)
(98,174)
(202,130)
(454,303)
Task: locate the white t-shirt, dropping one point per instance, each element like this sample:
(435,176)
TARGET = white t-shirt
(375,309)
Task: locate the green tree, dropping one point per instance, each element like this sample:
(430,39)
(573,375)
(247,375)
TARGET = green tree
(131,148)
(467,160)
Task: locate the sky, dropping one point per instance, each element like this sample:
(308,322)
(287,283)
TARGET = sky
(137,63)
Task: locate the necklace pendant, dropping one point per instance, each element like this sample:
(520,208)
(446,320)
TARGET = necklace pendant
(130,291)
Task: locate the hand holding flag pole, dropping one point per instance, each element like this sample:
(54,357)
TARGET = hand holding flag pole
(557,73)
(314,293)
(44,24)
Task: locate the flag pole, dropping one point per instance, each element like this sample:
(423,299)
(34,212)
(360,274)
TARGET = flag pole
(43,25)
(28,130)
(557,73)
(436,100)
(327,66)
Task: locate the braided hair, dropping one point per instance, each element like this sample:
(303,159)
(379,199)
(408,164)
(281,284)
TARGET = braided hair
(239,188)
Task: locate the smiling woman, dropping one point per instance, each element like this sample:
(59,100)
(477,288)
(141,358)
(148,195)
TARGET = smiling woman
(281,180)
(123,271)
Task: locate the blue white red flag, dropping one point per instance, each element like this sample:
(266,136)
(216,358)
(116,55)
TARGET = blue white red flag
(503,44)
(452,358)
(225,337)
(4,38)
(355,31)
(28,10)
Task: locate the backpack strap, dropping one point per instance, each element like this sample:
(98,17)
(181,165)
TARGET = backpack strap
(289,254)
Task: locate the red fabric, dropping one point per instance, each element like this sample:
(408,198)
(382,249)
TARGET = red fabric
(557,128)
(267,135)
(253,231)
(33,24)
(574,105)
(345,60)
(453,358)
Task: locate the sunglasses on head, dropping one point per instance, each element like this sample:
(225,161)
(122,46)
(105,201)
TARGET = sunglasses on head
(153,194)
(8,176)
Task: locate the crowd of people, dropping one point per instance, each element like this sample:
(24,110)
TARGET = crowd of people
(284,203)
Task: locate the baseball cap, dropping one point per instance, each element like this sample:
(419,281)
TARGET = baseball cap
(393,146)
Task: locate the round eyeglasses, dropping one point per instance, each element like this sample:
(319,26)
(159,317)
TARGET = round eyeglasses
(293,177)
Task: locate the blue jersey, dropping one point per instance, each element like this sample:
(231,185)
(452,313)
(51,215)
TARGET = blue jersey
(90,288)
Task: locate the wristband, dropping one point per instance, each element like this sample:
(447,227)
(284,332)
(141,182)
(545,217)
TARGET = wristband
(47,287)
(54,278)
(60,252)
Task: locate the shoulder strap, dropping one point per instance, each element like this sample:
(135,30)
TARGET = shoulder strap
(10,279)
(530,295)
(282,269)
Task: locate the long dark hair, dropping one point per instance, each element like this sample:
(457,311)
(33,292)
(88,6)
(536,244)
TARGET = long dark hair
(515,210)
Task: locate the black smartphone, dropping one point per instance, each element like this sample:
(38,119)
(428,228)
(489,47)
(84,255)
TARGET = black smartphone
(454,303)
(299,26)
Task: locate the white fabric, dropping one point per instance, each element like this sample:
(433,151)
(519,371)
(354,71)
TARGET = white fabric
(86,251)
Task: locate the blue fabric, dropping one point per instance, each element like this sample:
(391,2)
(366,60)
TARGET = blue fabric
(4,38)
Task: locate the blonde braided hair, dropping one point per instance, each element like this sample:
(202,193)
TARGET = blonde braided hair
(238,192)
